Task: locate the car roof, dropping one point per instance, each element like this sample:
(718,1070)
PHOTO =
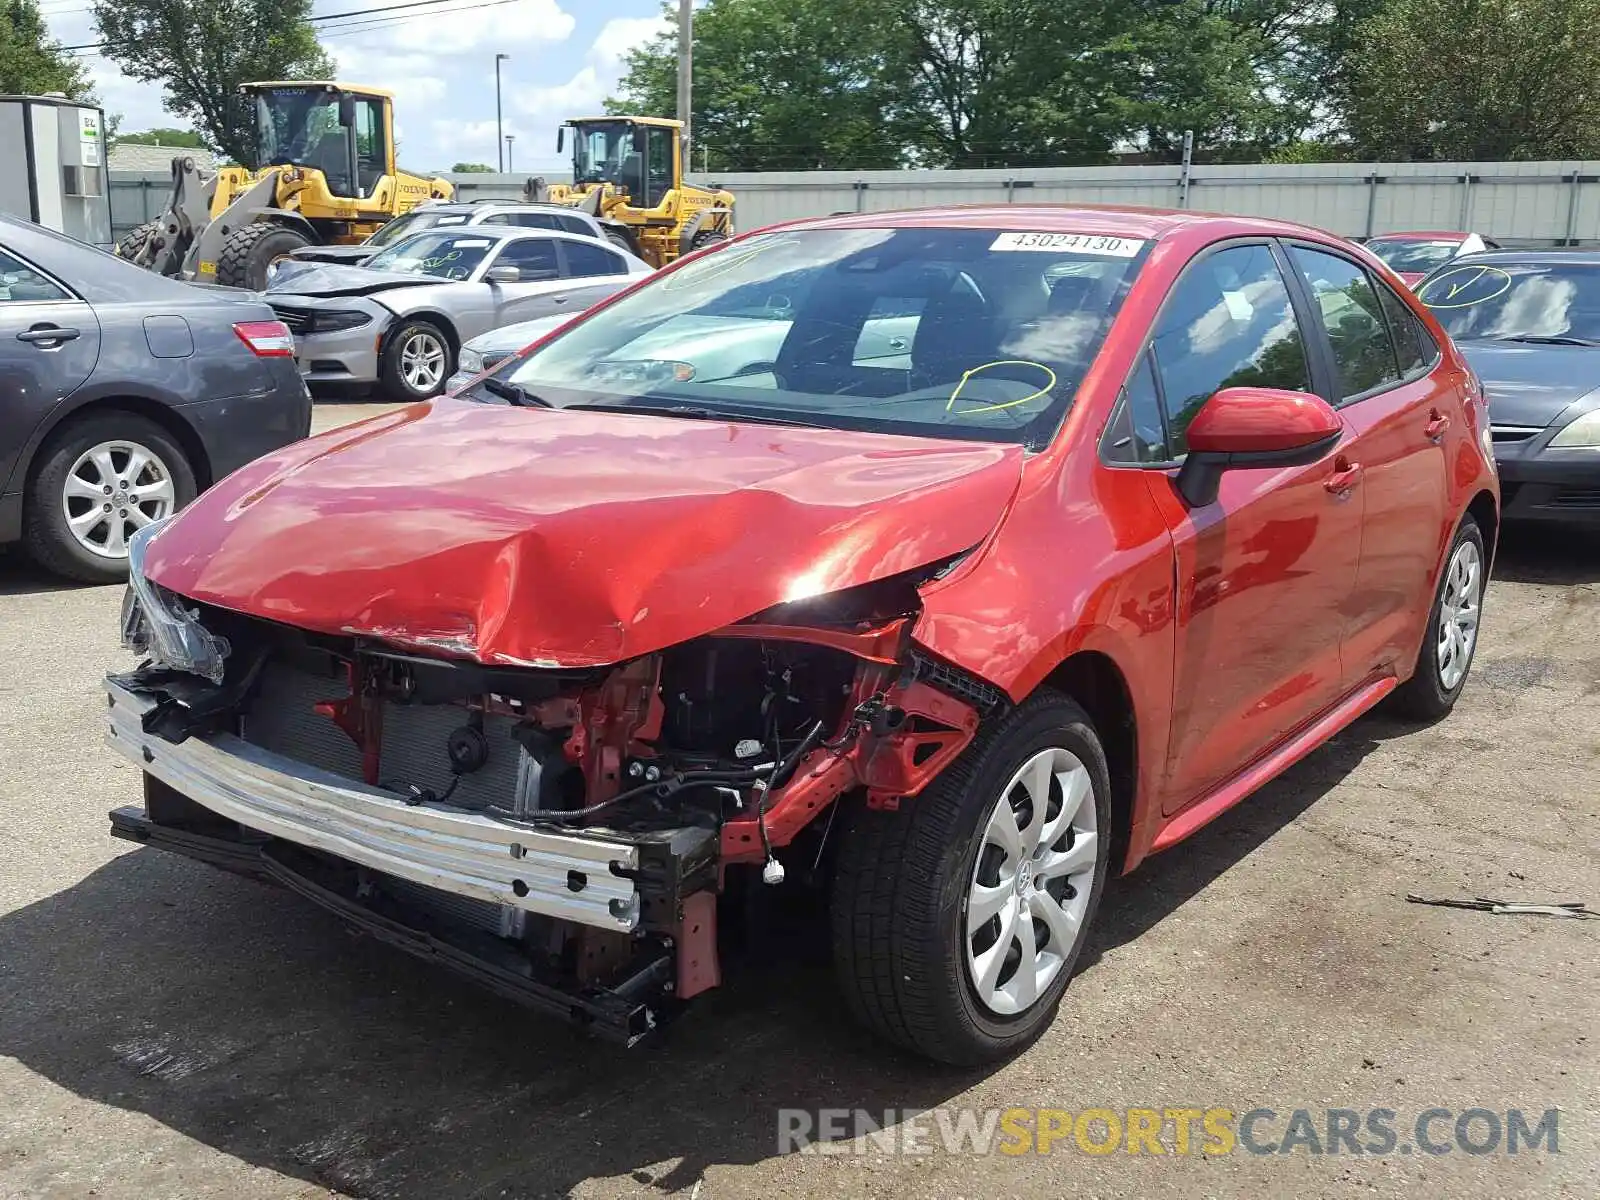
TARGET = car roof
(1568,256)
(96,275)
(1153,224)
(504,233)
(1421,235)
(497,205)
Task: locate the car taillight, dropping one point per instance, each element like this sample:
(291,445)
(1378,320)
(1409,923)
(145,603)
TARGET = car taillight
(266,339)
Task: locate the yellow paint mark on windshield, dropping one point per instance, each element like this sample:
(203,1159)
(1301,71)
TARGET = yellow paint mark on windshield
(1479,283)
(950,405)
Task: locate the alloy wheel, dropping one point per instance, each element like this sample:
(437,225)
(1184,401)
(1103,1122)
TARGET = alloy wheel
(113,489)
(422,361)
(1032,882)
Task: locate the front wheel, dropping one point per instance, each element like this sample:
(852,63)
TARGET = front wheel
(1452,637)
(417,361)
(250,254)
(958,919)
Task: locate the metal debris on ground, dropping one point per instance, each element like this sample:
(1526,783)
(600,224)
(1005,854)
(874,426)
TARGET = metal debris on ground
(1570,908)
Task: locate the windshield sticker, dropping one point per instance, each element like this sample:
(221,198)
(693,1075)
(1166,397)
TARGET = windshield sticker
(1075,243)
(1462,287)
(950,405)
(1239,306)
(470,243)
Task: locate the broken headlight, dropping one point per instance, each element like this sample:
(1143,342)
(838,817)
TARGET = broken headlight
(155,622)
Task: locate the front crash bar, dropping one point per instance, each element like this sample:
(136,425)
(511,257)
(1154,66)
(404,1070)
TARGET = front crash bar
(567,875)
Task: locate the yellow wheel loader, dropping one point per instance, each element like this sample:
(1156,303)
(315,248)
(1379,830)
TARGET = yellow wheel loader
(324,174)
(627,172)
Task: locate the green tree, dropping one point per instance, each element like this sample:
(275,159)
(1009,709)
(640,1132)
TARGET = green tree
(200,51)
(973,83)
(1469,80)
(466,168)
(185,139)
(31,61)
(778,84)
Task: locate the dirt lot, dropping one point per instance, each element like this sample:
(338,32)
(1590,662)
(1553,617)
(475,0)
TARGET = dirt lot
(167,1030)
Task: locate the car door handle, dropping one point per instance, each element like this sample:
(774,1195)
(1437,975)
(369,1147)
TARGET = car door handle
(1437,424)
(45,334)
(1346,475)
(559,299)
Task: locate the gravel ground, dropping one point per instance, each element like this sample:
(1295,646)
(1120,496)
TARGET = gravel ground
(167,1030)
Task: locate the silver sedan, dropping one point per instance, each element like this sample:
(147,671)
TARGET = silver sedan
(400,321)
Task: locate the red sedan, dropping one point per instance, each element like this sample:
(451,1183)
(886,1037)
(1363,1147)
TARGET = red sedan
(1412,255)
(946,562)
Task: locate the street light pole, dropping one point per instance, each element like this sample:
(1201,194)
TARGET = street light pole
(499,120)
(685,69)
(510,137)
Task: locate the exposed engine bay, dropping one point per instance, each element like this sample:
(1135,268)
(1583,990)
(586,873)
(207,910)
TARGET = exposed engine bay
(611,803)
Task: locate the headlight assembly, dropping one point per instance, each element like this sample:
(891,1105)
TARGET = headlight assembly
(1584,433)
(332,322)
(156,623)
(470,362)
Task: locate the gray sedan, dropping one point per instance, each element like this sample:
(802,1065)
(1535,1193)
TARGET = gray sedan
(400,320)
(122,394)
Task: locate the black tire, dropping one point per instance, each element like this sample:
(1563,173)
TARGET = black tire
(622,242)
(392,381)
(136,240)
(46,534)
(707,237)
(249,251)
(901,885)
(1424,697)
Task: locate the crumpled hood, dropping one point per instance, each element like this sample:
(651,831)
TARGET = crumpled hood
(548,538)
(1532,385)
(328,279)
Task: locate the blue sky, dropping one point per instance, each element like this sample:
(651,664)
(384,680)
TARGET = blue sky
(565,57)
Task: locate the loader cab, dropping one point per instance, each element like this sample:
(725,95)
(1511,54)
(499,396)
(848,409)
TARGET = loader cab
(344,133)
(636,155)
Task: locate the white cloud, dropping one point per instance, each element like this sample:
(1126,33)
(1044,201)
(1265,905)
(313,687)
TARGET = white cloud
(441,67)
(587,88)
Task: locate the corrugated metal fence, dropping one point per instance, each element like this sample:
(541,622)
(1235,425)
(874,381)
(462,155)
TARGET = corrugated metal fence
(1545,203)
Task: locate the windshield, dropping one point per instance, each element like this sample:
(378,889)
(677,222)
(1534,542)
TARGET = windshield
(1409,257)
(444,255)
(1516,300)
(600,151)
(961,333)
(414,222)
(300,126)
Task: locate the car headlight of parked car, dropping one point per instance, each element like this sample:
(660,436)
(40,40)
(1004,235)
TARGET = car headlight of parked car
(156,623)
(332,322)
(470,362)
(1584,433)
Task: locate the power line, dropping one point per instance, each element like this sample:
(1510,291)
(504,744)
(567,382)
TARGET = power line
(436,7)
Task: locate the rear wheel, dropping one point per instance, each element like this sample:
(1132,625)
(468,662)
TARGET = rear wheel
(417,361)
(621,242)
(1452,637)
(249,253)
(958,919)
(100,479)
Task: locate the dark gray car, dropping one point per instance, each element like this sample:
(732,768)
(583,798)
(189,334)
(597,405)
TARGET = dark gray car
(1528,321)
(123,394)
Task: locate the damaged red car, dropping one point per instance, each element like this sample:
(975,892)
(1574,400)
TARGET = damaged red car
(941,563)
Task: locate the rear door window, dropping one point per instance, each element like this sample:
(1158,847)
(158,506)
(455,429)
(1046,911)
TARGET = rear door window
(591,258)
(1355,324)
(1413,346)
(1228,323)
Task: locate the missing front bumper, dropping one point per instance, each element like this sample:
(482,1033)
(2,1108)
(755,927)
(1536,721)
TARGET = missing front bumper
(584,878)
(625,1011)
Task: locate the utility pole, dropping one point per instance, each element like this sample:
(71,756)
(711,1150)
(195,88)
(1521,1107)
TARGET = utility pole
(510,165)
(685,68)
(499,120)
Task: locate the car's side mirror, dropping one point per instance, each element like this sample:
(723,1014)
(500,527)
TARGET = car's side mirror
(503,275)
(1253,427)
